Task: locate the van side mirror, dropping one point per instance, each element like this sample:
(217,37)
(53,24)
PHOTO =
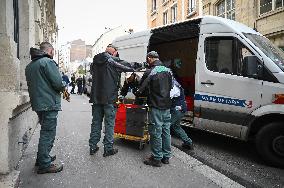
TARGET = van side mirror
(251,67)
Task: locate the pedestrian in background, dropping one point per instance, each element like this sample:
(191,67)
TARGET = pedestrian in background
(158,81)
(44,86)
(65,78)
(84,84)
(66,94)
(73,81)
(178,109)
(79,82)
(106,71)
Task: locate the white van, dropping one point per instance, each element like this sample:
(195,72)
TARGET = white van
(234,74)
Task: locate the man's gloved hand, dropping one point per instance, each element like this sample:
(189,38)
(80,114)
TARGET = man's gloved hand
(137,93)
(137,65)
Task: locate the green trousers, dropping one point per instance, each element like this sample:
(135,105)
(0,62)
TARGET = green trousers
(48,122)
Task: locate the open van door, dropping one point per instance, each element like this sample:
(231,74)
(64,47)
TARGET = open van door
(133,47)
(226,84)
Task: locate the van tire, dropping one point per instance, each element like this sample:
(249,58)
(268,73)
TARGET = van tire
(270,143)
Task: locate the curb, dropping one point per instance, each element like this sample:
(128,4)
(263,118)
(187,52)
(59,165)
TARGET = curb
(11,180)
(215,176)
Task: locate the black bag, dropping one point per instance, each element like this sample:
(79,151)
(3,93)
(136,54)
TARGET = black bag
(136,121)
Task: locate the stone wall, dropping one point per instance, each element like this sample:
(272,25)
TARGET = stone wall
(17,121)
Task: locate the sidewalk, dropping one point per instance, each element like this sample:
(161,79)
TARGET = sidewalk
(126,169)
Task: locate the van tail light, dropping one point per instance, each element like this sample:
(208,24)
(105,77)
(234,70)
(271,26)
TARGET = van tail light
(278,99)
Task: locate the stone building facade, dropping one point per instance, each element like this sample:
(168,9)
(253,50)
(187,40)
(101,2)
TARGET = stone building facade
(77,50)
(163,12)
(64,58)
(23,24)
(266,16)
(72,53)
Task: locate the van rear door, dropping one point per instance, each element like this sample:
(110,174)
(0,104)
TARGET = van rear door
(225,95)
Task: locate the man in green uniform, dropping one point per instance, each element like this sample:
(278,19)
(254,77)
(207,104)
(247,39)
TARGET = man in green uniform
(44,86)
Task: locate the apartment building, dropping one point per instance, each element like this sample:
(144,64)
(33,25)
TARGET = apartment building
(266,16)
(163,12)
(64,57)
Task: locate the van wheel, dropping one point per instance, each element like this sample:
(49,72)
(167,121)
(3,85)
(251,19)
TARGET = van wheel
(270,143)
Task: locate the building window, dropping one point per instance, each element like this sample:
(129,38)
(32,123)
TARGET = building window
(174,13)
(191,6)
(16,24)
(226,9)
(154,5)
(265,6)
(269,5)
(279,3)
(165,18)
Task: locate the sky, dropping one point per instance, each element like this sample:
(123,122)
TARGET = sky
(87,19)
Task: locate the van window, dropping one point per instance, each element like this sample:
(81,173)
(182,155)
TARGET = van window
(266,46)
(219,54)
(228,55)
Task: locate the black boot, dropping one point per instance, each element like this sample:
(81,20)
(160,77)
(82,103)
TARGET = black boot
(153,162)
(51,157)
(187,145)
(53,168)
(165,160)
(94,150)
(110,152)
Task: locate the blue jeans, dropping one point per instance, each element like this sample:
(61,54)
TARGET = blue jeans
(176,116)
(107,113)
(48,122)
(159,130)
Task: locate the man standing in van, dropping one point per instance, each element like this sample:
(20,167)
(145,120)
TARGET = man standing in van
(158,81)
(106,70)
(44,86)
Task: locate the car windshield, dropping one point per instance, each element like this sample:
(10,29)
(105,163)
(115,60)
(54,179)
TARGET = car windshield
(274,53)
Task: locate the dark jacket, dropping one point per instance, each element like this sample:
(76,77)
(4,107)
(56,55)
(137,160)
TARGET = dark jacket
(73,81)
(180,100)
(158,81)
(44,82)
(129,85)
(79,81)
(65,79)
(106,78)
